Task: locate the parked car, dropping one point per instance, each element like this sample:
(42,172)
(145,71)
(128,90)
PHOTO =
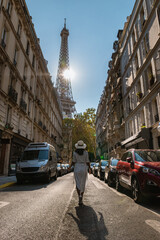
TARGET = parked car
(139,171)
(38,161)
(59,173)
(63,168)
(101,168)
(110,172)
(92,164)
(95,169)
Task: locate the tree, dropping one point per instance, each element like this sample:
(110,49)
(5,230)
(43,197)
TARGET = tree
(83,128)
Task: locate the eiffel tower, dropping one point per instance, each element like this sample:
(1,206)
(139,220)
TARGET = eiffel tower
(63,82)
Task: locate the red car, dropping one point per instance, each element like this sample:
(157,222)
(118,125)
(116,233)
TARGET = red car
(139,171)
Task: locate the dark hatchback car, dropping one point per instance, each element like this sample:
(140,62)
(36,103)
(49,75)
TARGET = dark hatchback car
(101,168)
(139,171)
(110,172)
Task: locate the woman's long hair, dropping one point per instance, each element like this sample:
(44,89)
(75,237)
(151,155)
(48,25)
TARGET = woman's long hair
(79,151)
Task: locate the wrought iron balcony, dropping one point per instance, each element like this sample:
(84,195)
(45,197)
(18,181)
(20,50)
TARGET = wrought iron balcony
(12,94)
(9,126)
(23,105)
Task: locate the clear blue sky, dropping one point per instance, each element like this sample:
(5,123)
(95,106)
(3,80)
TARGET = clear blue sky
(93,27)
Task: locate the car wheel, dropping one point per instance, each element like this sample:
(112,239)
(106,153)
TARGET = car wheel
(55,177)
(48,177)
(118,186)
(136,193)
(109,181)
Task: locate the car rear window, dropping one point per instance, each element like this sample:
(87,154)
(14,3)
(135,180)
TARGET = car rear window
(104,163)
(114,162)
(147,156)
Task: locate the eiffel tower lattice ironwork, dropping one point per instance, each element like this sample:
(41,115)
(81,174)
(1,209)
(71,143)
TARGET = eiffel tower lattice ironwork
(63,83)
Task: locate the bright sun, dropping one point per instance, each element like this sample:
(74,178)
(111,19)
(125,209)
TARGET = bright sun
(68,74)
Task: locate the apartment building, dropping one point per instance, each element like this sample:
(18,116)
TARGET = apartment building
(110,114)
(140,69)
(132,91)
(29,106)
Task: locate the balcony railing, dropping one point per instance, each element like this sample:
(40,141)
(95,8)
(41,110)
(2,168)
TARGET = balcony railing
(23,105)
(12,94)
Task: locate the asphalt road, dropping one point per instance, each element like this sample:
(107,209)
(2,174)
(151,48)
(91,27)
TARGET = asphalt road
(51,211)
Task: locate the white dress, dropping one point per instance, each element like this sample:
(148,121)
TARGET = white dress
(80,169)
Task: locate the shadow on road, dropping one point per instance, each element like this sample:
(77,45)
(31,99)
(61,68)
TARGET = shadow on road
(89,223)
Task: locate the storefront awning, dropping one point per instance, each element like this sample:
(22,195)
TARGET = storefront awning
(129,139)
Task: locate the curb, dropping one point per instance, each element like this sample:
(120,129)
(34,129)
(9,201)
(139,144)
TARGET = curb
(7,185)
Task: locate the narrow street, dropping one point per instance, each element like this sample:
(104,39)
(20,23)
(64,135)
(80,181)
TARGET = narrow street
(41,211)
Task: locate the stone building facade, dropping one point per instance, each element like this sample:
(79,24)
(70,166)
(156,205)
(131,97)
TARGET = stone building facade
(29,107)
(139,56)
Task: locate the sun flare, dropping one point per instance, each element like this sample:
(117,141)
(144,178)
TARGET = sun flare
(69,74)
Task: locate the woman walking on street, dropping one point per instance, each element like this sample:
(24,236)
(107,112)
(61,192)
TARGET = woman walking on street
(81,164)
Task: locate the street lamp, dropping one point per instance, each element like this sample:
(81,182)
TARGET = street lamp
(158,128)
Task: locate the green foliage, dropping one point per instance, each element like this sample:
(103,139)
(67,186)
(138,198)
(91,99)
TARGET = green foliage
(84,129)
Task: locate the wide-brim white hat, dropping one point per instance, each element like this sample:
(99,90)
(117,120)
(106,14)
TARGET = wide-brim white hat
(80,145)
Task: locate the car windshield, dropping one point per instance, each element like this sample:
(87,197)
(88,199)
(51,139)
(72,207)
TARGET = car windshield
(114,162)
(97,164)
(58,165)
(104,163)
(35,154)
(147,156)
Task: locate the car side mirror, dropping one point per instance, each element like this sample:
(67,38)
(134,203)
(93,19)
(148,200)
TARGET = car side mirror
(129,159)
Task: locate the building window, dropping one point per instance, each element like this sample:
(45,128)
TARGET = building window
(9,8)
(142,17)
(15,56)
(133,39)
(25,73)
(158,140)
(33,61)
(4,37)
(158,13)
(19,29)
(27,48)
(155,110)
(29,107)
(146,43)
(136,65)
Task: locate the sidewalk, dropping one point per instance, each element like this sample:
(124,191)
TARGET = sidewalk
(6,181)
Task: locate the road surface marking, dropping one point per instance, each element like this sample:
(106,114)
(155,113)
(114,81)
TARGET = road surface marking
(154,224)
(7,184)
(2,204)
(64,213)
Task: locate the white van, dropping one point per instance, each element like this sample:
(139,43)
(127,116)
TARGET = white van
(39,160)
